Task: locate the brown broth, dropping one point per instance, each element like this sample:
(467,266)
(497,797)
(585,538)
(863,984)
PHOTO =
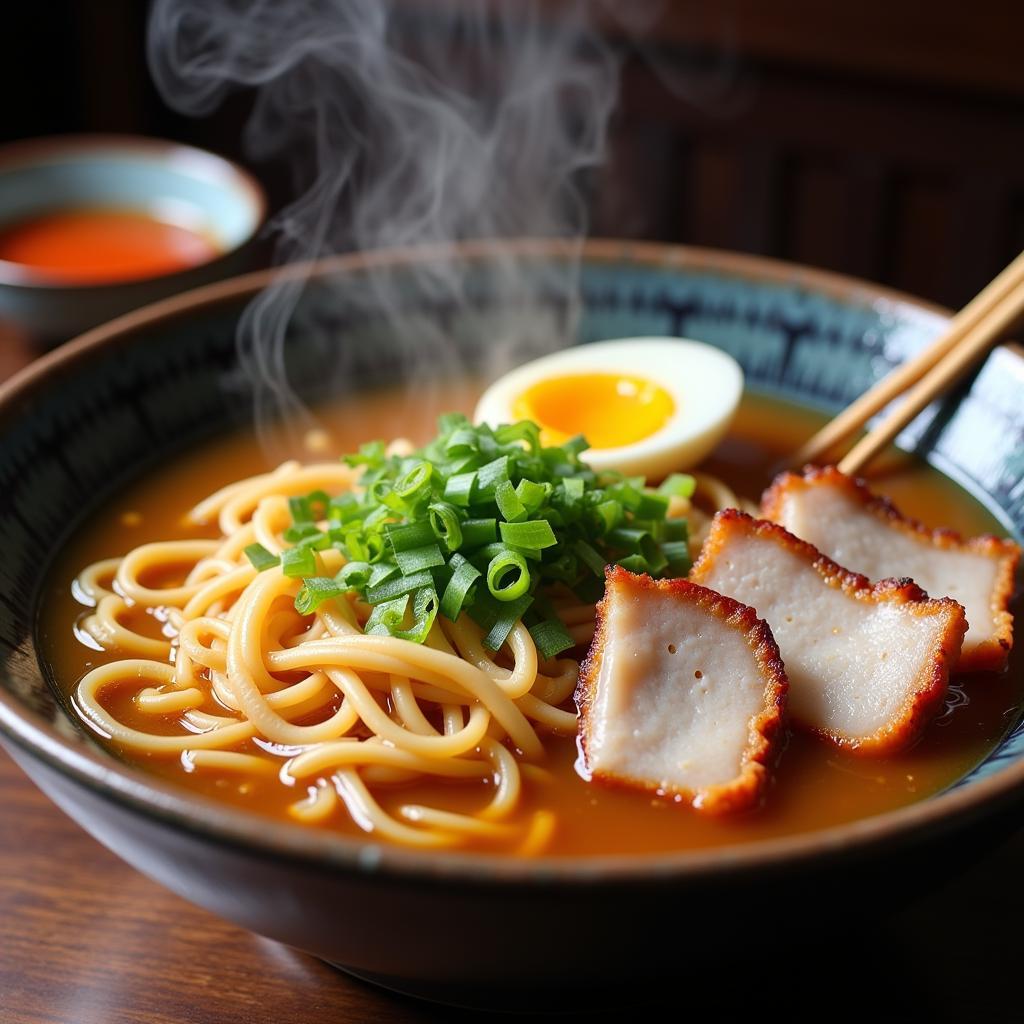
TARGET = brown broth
(815,785)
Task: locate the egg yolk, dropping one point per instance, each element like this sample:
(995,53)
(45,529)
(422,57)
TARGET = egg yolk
(609,409)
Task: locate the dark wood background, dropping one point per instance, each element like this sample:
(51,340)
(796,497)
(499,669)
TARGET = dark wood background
(882,138)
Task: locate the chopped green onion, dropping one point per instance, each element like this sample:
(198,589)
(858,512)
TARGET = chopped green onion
(416,559)
(536,533)
(509,505)
(445,524)
(424,611)
(551,638)
(415,481)
(532,495)
(260,557)
(677,556)
(301,510)
(300,531)
(678,485)
(487,518)
(458,489)
(409,535)
(387,616)
(298,562)
(488,477)
(459,589)
(397,586)
(315,591)
(508,576)
(476,532)
(590,558)
(354,575)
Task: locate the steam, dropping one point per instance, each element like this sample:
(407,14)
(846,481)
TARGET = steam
(406,123)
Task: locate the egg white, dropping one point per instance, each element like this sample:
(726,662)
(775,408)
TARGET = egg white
(704,383)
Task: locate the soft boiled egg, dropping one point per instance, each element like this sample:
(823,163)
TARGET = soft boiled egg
(648,406)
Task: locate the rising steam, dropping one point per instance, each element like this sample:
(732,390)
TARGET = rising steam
(406,123)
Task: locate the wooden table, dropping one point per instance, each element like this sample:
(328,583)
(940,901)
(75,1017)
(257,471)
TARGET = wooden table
(85,939)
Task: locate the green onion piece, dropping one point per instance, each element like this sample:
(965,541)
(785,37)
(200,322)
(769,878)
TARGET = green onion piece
(652,506)
(424,611)
(370,454)
(397,586)
(315,591)
(635,563)
(551,638)
(462,442)
(354,575)
(415,481)
(508,576)
(301,510)
(458,489)
(677,556)
(296,562)
(488,477)
(504,624)
(476,532)
(458,591)
(509,505)
(635,541)
(380,572)
(387,616)
(532,495)
(678,485)
(415,560)
(445,524)
(524,430)
(260,557)
(344,507)
(319,503)
(575,445)
(300,531)
(590,558)
(448,422)
(536,533)
(610,514)
(573,488)
(676,529)
(317,541)
(409,535)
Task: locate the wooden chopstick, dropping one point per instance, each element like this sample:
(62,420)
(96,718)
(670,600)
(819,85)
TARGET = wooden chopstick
(855,415)
(938,379)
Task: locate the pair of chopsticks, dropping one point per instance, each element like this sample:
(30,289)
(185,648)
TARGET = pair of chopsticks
(971,333)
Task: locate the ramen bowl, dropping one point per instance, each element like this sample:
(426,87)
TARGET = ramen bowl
(457,926)
(186,188)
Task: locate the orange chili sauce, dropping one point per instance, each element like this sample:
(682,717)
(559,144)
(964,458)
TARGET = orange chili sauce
(815,785)
(97,246)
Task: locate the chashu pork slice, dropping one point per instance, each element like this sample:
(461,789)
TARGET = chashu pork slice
(682,694)
(865,532)
(867,665)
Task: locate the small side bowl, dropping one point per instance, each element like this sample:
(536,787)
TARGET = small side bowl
(81,171)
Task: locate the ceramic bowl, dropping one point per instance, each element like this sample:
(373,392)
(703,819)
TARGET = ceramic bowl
(447,925)
(187,185)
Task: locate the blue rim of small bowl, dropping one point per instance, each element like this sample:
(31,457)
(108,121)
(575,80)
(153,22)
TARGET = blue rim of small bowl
(191,160)
(133,789)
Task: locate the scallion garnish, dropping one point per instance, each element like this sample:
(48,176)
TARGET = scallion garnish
(488,519)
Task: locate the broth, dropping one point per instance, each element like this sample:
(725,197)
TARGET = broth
(815,785)
(95,246)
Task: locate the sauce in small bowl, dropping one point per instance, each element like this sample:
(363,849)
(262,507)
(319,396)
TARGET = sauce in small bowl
(95,226)
(97,245)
